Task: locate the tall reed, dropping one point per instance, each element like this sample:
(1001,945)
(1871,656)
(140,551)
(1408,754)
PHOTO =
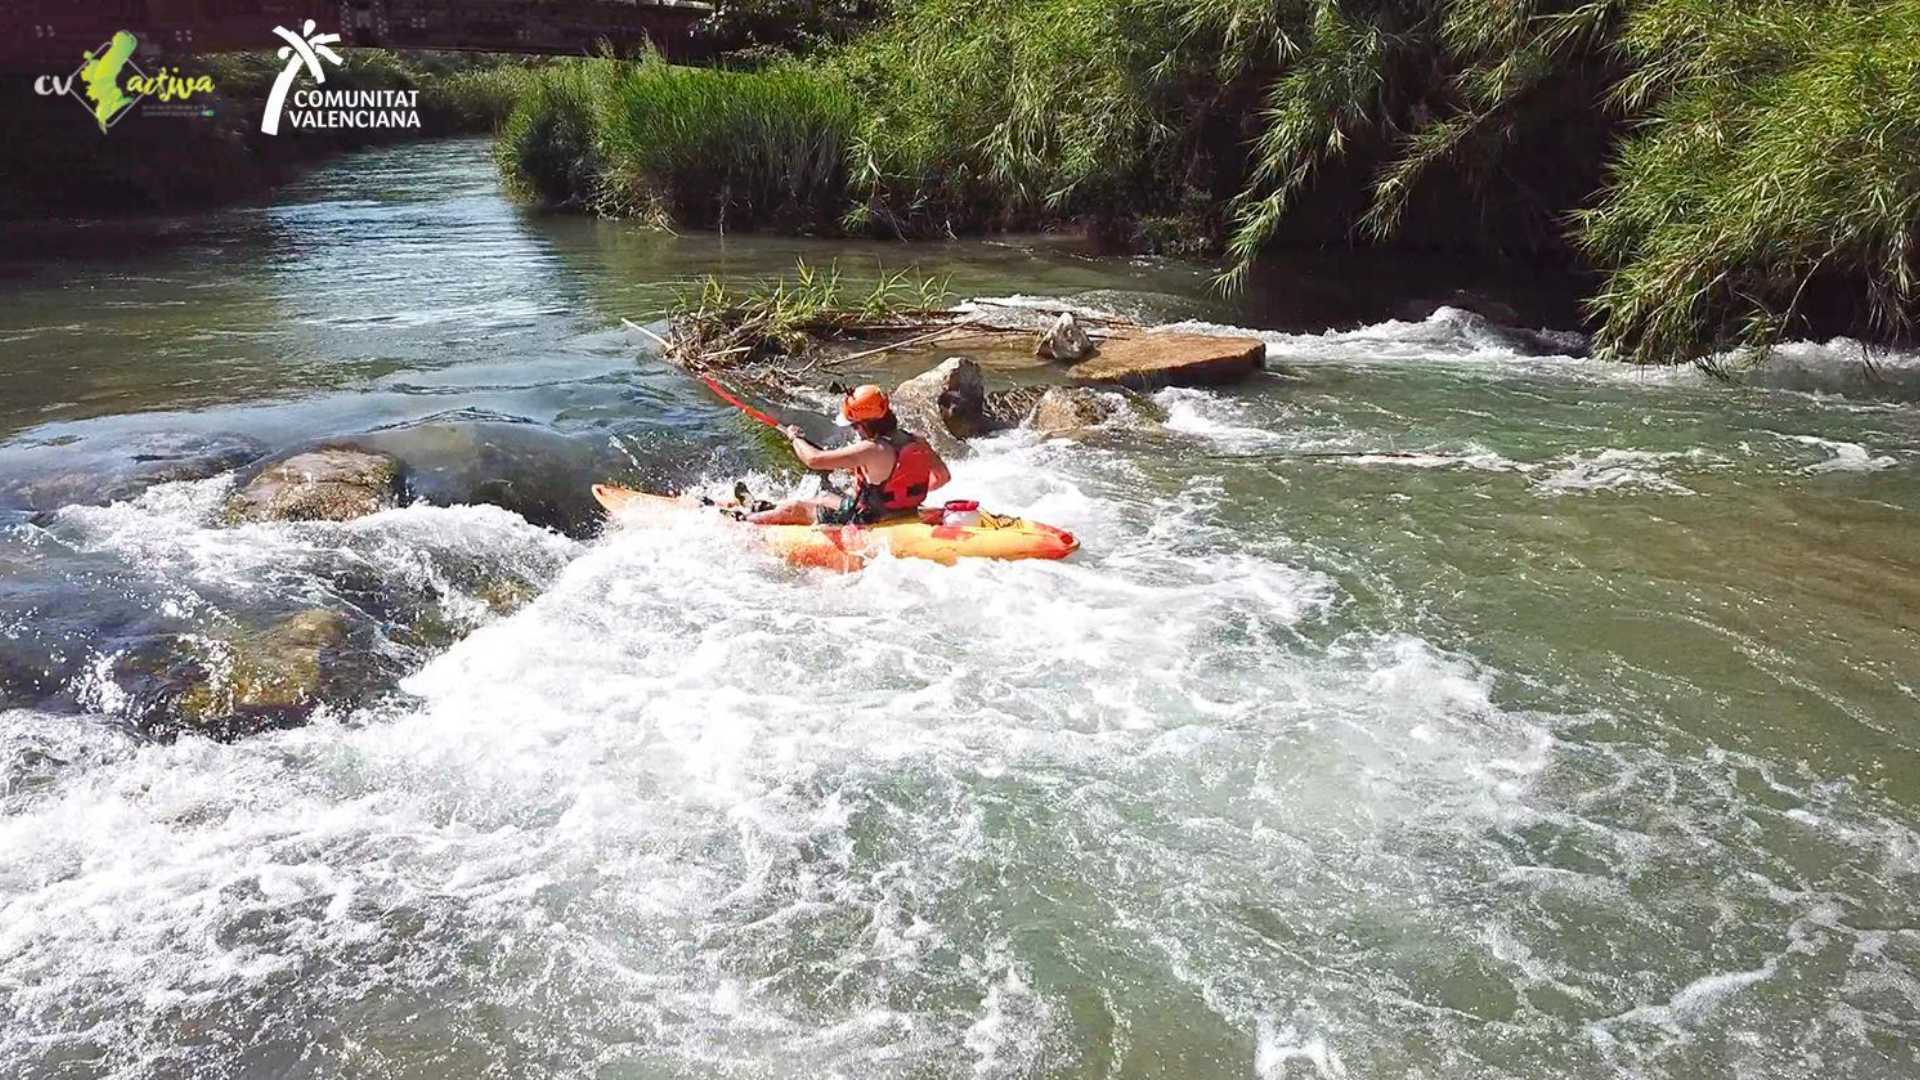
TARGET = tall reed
(1737,169)
(549,146)
(730,149)
(1777,176)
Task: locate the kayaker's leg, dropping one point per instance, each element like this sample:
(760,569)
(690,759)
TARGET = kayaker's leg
(797,512)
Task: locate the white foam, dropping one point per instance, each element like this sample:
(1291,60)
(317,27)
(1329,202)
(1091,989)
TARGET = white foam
(1843,456)
(1619,470)
(171,547)
(686,780)
(1696,999)
(1472,457)
(1276,1046)
(1464,341)
(1449,334)
(1236,428)
(1212,417)
(1837,367)
(1009,1033)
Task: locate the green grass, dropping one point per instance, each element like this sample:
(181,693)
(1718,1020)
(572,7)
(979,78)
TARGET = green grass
(475,100)
(1004,113)
(814,294)
(695,146)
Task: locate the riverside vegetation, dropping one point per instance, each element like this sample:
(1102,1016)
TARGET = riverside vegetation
(1730,171)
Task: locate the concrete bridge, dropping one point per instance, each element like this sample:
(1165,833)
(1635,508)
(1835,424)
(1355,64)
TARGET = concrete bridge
(51,34)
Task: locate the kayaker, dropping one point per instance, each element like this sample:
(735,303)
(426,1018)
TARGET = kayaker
(893,469)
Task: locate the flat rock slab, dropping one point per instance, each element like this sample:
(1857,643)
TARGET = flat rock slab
(1144,361)
(998,351)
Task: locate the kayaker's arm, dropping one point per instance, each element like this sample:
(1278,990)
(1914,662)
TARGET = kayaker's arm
(818,460)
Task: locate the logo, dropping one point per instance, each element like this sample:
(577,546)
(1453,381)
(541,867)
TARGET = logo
(304,49)
(329,108)
(96,83)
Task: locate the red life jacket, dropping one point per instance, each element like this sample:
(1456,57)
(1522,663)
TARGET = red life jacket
(906,487)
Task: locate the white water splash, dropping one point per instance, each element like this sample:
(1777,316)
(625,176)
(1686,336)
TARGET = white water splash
(697,790)
(1843,456)
(1278,1046)
(1620,470)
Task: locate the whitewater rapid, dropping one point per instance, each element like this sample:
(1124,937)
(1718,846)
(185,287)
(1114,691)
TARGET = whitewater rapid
(1171,808)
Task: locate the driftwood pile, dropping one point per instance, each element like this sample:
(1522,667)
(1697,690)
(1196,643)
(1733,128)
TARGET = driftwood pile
(750,347)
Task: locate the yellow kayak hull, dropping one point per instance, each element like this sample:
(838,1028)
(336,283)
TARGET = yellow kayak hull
(848,547)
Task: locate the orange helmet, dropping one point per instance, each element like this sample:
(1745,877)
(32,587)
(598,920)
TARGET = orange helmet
(864,403)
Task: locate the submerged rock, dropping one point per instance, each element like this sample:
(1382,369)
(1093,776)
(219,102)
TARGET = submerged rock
(542,475)
(504,596)
(282,668)
(332,484)
(1064,341)
(1524,342)
(945,405)
(1071,410)
(270,679)
(1150,361)
(1569,343)
(1066,410)
(1010,407)
(57,475)
(1498,325)
(1420,309)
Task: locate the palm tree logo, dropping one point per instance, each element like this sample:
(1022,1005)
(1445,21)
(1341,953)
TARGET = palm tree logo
(303,49)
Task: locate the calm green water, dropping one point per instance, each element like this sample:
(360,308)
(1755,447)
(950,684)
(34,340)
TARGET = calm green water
(1562,723)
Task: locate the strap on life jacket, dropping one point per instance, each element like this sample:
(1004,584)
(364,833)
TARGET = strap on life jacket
(906,487)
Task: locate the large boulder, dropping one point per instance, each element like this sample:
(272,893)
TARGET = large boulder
(945,405)
(449,460)
(1151,361)
(1064,341)
(332,484)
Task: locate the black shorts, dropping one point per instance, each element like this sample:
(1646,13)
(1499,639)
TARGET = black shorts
(852,511)
(849,512)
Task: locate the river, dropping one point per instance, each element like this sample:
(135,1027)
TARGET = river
(1564,724)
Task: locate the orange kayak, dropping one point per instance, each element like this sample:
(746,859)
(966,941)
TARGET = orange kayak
(848,547)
